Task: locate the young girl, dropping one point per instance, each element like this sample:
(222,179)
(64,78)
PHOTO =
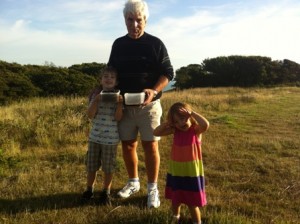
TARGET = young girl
(185,178)
(104,136)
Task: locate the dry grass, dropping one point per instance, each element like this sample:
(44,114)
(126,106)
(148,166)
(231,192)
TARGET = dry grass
(251,157)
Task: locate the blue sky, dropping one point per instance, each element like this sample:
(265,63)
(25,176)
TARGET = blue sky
(67,32)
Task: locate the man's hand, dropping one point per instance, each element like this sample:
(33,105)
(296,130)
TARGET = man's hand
(150,94)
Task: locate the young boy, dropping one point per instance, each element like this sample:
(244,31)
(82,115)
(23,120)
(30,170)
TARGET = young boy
(104,136)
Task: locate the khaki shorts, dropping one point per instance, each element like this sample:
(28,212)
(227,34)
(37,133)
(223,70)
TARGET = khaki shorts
(142,120)
(101,156)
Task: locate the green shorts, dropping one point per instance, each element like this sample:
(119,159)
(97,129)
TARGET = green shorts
(101,156)
(142,120)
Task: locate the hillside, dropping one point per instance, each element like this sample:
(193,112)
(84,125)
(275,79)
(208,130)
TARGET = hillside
(251,157)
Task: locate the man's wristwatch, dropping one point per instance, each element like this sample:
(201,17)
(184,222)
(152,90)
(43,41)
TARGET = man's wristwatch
(154,93)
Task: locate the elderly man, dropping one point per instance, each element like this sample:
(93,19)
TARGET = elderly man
(143,65)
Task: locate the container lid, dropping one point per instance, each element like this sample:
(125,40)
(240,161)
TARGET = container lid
(110,91)
(110,96)
(134,98)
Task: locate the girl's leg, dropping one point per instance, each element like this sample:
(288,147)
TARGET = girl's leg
(176,212)
(195,213)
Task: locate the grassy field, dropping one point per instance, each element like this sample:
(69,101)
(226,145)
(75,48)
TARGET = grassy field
(251,157)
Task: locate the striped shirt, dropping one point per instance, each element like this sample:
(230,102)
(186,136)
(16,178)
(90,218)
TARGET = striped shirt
(104,126)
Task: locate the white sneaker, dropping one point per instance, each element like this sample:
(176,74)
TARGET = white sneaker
(153,199)
(129,189)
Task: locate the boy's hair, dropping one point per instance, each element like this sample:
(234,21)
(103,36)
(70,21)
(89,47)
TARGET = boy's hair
(109,69)
(175,108)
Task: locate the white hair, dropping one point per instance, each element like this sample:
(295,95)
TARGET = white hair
(136,7)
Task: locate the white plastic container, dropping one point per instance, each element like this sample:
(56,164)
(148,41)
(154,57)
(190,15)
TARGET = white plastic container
(110,96)
(134,98)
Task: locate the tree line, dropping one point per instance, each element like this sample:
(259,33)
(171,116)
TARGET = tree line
(240,71)
(24,81)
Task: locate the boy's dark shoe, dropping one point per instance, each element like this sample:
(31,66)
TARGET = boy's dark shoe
(87,195)
(105,198)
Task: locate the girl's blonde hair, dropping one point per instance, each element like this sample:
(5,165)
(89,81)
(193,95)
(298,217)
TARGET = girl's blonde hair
(175,110)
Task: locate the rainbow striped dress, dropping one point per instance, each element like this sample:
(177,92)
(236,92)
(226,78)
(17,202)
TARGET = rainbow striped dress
(185,177)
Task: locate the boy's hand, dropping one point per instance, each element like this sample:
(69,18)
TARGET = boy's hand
(98,97)
(120,100)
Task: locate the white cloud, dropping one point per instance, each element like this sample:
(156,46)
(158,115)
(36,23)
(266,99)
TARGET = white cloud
(63,49)
(270,31)
(65,33)
(19,24)
(71,32)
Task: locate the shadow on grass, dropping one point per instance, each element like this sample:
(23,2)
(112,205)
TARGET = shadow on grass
(33,204)
(137,201)
(61,201)
(73,200)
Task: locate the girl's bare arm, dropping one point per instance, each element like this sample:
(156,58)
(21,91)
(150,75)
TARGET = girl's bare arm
(203,123)
(163,129)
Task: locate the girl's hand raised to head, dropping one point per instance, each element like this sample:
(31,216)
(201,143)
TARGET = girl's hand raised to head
(185,112)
